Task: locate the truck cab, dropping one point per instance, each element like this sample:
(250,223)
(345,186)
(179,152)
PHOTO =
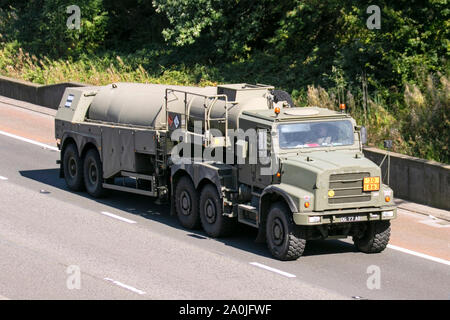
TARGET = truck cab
(319,186)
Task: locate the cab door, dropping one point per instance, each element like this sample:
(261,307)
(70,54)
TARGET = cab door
(262,171)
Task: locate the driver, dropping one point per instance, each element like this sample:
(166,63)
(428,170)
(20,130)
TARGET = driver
(322,134)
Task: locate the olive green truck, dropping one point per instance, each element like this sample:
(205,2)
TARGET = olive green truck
(227,154)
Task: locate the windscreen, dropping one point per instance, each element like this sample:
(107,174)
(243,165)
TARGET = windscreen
(315,134)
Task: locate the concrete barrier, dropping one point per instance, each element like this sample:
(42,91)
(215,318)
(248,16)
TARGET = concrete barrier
(44,95)
(414,179)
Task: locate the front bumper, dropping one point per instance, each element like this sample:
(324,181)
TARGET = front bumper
(345,215)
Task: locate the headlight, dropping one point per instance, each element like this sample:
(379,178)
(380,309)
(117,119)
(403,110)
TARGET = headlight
(313,219)
(387,214)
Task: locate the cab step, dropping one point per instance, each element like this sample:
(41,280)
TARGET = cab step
(248,214)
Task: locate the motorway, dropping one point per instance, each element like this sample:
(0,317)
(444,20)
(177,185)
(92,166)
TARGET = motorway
(126,246)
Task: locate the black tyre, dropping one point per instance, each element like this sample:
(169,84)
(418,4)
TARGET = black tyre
(213,221)
(280,95)
(186,204)
(375,238)
(285,240)
(73,168)
(93,174)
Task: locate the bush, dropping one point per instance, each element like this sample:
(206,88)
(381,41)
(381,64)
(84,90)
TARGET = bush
(41,27)
(394,79)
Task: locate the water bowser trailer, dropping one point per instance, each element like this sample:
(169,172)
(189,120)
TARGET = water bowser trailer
(235,153)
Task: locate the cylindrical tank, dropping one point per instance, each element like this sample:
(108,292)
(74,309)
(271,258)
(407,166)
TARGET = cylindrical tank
(143,104)
(137,104)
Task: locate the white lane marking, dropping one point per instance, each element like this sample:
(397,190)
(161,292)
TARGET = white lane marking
(436,223)
(43,145)
(125,286)
(286,274)
(417,254)
(3,178)
(117,217)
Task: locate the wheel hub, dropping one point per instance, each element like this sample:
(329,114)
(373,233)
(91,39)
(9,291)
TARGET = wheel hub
(210,211)
(185,203)
(278,232)
(93,174)
(72,167)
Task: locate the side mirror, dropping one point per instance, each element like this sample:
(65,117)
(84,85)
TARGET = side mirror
(363,135)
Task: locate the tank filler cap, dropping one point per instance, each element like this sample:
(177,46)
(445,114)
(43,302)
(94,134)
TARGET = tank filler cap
(90,93)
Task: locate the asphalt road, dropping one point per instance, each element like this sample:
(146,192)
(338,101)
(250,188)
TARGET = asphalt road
(127,247)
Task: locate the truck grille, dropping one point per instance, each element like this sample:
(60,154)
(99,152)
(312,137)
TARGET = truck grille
(348,187)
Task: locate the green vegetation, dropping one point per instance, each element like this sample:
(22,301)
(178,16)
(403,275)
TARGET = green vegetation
(319,50)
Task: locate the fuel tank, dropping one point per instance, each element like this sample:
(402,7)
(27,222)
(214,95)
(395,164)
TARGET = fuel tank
(144,104)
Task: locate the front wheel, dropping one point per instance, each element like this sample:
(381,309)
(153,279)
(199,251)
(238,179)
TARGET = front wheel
(285,240)
(375,238)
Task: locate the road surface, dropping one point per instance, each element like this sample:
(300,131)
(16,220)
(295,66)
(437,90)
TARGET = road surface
(57,244)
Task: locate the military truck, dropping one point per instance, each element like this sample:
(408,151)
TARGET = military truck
(294,173)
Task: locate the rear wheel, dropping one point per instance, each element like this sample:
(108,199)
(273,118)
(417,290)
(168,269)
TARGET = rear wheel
(186,203)
(285,240)
(73,168)
(213,221)
(375,238)
(93,174)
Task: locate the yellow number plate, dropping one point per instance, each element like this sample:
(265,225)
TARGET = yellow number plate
(371,184)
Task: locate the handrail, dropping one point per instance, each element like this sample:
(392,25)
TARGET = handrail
(208,108)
